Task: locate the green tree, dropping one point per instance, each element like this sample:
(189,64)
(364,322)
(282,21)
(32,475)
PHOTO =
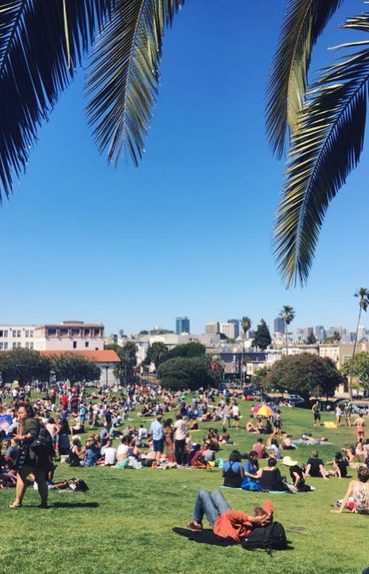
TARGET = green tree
(358,367)
(193,373)
(262,338)
(305,374)
(125,371)
(24,366)
(363,296)
(311,340)
(192,349)
(74,368)
(288,315)
(260,378)
(157,353)
(325,122)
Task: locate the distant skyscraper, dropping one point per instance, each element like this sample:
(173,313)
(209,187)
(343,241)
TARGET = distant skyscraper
(279,325)
(236,327)
(212,328)
(182,325)
(320,333)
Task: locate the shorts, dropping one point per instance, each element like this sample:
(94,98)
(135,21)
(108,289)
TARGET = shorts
(158,445)
(317,416)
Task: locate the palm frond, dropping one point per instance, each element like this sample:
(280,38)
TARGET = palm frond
(124,75)
(305,21)
(41,44)
(326,147)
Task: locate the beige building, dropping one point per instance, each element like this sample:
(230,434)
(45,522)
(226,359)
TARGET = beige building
(16,337)
(69,336)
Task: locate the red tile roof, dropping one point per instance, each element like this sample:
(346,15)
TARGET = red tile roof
(107,356)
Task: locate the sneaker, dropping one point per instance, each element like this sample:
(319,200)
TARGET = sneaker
(194,525)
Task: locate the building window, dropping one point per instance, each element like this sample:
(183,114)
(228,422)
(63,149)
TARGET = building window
(31,345)
(19,345)
(74,344)
(5,333)
(86,344)
(5,346)
(19,333)
(1,333)
(96,332)
(14,345)
(27,333)
(51,332)
(27,345)
(14,333)
(1,346)
(63,332)
(86,332)
(31,333)
(75,332)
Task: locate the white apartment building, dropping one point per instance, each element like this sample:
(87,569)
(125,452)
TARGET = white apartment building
(69,336)
(228,329)
(16,337)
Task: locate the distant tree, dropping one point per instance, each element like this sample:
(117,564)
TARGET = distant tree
(288,315)
(358,367)
(144,332)
(181,373)
(157,353)
(24,366)
(262,338)
(192,349)
(260,378)
(128,361)
(363,296)
(311,340)
(74,368)
(334,339)
(305,374)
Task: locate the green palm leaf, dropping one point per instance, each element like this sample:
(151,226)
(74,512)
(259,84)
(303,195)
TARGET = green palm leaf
(41,44)
(305,21)
(326,147)
(123,80)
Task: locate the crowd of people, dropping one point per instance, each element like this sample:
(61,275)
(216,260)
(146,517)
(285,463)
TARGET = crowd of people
(166,441)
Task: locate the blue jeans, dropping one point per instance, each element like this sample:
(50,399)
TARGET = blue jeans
(211,504)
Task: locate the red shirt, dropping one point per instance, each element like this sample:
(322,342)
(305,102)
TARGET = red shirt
(234,524)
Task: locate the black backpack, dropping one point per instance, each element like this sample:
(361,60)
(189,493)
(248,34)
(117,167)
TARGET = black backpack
(270,537)
(43,444)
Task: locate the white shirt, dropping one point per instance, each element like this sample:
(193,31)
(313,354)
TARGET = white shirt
(180,427)
(110,454)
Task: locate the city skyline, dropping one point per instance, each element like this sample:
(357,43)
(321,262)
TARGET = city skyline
(189,232)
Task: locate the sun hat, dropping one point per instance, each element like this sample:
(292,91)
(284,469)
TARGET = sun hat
(287,461)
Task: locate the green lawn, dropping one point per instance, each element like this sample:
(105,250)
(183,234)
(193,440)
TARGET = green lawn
(124,523)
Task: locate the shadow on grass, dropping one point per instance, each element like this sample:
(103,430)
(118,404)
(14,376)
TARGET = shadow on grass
(75,505)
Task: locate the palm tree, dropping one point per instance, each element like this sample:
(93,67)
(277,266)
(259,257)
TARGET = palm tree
(288,315)
(325,123)
(245,326)
(363,296)
(44,42)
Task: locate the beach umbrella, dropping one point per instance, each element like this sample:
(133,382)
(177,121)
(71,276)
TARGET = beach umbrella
(264,411)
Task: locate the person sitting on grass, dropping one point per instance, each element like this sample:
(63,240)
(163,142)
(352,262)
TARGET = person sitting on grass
(349,453)
(297,475)
(357,495)
(233,472)
(259,448)
(271,479)
(252,473)
(250,427)
(340,464)
(315,466)
(224,521)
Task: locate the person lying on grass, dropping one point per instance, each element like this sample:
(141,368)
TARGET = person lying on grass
(357,495)
(224,521)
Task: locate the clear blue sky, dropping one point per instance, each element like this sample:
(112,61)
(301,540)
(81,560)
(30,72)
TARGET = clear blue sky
(188,232)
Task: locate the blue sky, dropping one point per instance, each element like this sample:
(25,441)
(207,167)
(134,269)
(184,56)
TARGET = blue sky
(190,231)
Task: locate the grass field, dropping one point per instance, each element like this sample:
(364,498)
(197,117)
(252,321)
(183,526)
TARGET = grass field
(124,523)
